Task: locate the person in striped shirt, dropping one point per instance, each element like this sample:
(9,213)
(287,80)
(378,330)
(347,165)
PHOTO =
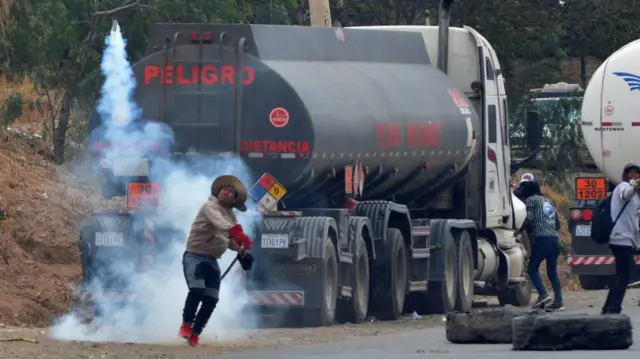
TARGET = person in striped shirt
(542,223)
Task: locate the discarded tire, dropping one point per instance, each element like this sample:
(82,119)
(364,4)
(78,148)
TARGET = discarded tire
(572,332)
(493,327)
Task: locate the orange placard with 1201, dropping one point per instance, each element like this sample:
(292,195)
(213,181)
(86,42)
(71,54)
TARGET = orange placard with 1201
(591,188)
(143,195)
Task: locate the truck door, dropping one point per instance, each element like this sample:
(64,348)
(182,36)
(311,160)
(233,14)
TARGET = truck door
(496,149)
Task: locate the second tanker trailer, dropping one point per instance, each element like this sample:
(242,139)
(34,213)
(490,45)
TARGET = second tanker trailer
(397,171)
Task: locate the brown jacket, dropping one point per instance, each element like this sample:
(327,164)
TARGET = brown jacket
(209,231)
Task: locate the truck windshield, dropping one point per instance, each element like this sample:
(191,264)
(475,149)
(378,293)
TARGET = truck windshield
(569,106)
(558,112)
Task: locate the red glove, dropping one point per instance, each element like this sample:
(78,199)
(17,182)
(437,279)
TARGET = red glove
(242,240)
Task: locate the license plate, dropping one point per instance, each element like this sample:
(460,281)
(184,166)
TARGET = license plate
(583,230)
(270,240)
(109,239)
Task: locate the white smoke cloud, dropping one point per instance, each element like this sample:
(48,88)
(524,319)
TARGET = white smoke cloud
(160,293)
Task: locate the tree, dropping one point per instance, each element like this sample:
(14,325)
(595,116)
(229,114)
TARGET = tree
(384,12)
(58,43)
(53,43)
(525,34)
(597,28)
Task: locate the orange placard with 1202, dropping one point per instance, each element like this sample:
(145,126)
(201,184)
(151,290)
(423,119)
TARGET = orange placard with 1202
(591,188)
(143,195)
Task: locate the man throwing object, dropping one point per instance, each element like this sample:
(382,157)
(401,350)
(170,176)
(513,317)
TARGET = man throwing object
(214,229)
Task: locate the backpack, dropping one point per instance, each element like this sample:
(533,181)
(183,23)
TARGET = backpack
(550,210)
(601,223)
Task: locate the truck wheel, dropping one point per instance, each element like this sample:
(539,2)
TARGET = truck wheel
(592,282)
(325,315)
(390,283)
(464,299)
(441,295)
(357,306)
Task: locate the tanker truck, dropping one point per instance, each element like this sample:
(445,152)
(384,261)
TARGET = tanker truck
(381,158)
(610,128)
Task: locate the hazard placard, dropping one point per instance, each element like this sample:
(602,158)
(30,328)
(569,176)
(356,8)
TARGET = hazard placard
(591,188)
(279,117)
(267,192)
(143,195)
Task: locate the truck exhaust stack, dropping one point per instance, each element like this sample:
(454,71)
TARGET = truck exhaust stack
(444,19)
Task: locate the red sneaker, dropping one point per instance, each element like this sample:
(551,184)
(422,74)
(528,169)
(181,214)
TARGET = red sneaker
(185,330)
(194,340)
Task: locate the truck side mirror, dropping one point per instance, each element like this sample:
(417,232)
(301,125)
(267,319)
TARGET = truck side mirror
(534,131)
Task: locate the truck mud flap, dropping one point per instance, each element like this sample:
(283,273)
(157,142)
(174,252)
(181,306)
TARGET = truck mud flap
(277,298)
(285,283)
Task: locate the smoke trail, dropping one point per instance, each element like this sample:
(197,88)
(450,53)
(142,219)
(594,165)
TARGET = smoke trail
(154,314)
(115,105)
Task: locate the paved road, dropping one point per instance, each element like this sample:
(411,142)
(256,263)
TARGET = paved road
(425,343)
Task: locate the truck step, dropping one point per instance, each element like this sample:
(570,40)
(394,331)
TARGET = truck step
(420,253)
(420,231)
(418,286)
(421,240)
(345,257)
(345,291)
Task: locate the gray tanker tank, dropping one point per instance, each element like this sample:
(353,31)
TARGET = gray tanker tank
(305,102)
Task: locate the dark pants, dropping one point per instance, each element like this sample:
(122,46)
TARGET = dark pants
(624,265)
(545,248)
(202,274)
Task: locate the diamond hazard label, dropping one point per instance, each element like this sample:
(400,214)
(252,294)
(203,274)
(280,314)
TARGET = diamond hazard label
(267,192)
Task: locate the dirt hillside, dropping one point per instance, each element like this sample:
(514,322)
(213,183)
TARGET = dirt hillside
(42,206)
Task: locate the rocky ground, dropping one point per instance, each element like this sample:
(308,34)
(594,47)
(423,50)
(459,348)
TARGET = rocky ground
(266,338)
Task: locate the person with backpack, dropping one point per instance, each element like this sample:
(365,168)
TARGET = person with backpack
(624,236)
(543,224)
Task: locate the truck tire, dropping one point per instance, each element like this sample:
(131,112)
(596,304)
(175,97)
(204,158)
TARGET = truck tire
(592,282)
(355,309)
(441,295)
(390,278)
(466,273)
(325,315)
